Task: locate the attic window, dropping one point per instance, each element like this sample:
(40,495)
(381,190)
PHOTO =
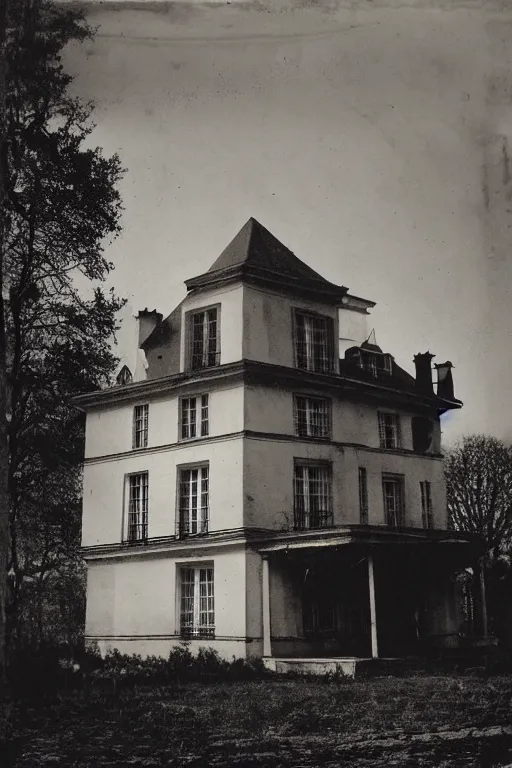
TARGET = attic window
(124,376)
(376,363)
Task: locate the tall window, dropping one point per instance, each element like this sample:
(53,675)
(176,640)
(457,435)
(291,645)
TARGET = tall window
(197,610)
(194,417)
(138,507)
(140,426)
(426,505)
(314,342)
(312,416)
(363,496)
(313,496)
(393,490)
(193,500)
(204,339)
(389,430)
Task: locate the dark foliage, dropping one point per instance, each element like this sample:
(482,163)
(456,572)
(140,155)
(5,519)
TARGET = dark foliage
(60,209)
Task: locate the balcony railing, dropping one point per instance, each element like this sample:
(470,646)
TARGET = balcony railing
(204,360)
(191,632)
(186,527)
(137,533)
(304,521)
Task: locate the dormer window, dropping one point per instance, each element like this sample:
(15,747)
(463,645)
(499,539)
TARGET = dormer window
(124,376)
(314,342)
(373,361)
(204,338)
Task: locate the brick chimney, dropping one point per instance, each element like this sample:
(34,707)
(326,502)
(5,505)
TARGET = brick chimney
(445,380)
(423,363)
(147,322)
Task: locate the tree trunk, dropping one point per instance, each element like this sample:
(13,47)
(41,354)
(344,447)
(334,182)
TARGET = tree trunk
(4,394)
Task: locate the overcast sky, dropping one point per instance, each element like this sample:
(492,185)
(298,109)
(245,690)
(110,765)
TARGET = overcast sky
(373,142)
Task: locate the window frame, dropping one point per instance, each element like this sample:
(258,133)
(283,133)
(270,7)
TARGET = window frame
(427,510)
(195,629)
(143,524)
(144,430)
(199,400)
(302,518)
(381,415)
(330,357)
(189,338)
(399,481)
(327,415)
(363,496)
(202,513)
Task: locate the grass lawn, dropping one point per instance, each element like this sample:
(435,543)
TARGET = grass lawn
(416,721)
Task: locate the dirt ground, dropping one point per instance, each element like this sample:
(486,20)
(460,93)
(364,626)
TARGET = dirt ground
(418,721)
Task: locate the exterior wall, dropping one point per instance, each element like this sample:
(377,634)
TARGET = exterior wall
(353,329)
(263,313)
(104,503)
(268,409)
(163,354)
(109,431)
(133,603)
(268,482)
(231,329)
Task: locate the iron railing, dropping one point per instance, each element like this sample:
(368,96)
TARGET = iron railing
(303,520)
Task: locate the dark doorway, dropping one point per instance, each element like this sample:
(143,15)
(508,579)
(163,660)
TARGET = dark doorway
(398,606)
(336,606)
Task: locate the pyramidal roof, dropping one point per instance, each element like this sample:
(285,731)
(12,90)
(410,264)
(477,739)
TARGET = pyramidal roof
(257,256)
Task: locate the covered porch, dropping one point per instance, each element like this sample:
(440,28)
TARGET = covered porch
(333,600)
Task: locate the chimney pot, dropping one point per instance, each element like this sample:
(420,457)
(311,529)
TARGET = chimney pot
(423,363)
(147,321)
(445,380)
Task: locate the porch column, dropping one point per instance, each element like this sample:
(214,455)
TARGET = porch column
(266,608)
(373,613)
(483,602)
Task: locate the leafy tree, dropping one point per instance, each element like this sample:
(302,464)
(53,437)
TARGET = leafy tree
(60,207)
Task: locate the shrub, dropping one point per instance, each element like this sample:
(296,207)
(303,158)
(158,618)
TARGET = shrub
(52,669)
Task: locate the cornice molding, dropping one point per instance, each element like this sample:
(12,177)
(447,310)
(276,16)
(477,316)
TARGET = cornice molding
(266,541)
(252,371)
(250,434)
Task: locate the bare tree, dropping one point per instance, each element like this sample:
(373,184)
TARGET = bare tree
(479,490)
(4,450)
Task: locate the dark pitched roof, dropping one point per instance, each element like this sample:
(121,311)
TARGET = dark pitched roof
(256,255)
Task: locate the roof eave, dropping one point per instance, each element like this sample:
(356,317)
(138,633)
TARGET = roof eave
(290,284)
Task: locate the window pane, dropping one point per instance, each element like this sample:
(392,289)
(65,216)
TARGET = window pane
(205,339)
(393,502)
(314,342)
(204,416)
(138,507)
(194,493)
(313,497)
(140,426)
(197,614)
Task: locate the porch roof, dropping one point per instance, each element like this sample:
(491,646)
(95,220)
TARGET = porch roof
(372,536)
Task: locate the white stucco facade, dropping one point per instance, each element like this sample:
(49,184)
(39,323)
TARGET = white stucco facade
(194,533)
